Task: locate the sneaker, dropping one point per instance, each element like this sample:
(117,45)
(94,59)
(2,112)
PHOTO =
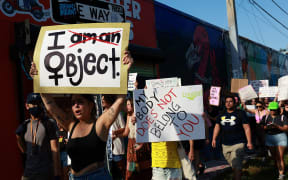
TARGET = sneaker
(281,176)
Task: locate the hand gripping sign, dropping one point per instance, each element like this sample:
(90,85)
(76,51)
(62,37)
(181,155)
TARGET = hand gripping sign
(82,58)
(169,114)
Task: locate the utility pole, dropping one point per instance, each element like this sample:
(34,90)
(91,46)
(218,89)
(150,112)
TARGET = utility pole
(233,39)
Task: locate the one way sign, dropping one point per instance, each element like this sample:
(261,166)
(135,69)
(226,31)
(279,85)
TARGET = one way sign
(99,11)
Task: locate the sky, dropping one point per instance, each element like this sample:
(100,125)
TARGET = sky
(253,23)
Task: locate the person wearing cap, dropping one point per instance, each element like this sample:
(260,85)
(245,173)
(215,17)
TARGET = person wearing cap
(275,126)
(36,138)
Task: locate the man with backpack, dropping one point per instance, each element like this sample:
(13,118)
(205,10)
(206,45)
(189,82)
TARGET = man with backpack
(36,137)
(235,132)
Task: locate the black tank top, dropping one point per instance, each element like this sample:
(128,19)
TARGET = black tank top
(85,150)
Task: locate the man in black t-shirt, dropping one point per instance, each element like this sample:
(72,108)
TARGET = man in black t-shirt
(235,130)
(36,137)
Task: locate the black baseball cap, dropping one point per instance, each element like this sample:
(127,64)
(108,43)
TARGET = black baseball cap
(33,98)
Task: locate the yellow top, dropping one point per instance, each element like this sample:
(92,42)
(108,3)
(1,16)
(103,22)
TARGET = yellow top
(165,155)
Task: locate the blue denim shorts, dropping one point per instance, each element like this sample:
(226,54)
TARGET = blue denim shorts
(276,140)
(99,174)
(166,173)
(117,158)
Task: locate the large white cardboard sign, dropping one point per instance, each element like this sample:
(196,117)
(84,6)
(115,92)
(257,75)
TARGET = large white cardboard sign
(169,114)
(247,93)
(270,91)
(283,88)
(82,58)
(164,82)
(256,84)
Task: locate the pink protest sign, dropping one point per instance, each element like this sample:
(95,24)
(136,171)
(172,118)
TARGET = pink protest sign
(214,95)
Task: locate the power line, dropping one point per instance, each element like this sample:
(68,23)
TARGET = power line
(260,34)
(279,7)
(266,21)
(253,29)
(268,13)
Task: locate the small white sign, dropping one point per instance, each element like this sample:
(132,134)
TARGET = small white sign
(247,93)
(215,95)
(131,81)
(270,91)
(283,88)
(165,82)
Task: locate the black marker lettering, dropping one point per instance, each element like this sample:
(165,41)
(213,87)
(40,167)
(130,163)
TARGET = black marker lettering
(47,59)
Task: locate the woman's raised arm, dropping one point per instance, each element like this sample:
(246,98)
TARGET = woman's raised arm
(65,119)
(107,119)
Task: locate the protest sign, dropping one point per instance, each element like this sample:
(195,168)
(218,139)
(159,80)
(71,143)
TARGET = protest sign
(214,95)
(236,84)
(251,107)
(247,93)
(131,81)
(169,114)
(164,82)
(256,84)
(269,91)
(82,58)
(283,88)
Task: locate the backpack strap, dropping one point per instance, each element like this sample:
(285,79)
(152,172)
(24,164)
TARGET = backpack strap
(24,124)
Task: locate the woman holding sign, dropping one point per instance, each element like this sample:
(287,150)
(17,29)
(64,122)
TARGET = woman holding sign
(88,135)
(259,113)
(138,155)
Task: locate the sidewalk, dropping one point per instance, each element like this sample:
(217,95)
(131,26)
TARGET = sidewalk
(216,167)
(213,168)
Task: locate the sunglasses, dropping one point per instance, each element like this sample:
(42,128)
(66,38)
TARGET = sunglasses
(258,106)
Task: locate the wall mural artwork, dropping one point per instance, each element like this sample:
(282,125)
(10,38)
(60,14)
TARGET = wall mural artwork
(31,7)
(194,51)
(259,62)
(201,57)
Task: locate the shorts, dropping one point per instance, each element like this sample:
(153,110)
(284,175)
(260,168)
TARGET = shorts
(276,140)
(117,158)
(234,155)
(99,174)
(166,173)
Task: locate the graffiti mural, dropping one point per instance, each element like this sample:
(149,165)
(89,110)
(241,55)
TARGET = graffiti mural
(260,62)
(31,7)
(194,51)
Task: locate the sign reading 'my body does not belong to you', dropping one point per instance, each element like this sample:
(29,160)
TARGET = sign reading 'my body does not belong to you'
(82,58)
(169,114)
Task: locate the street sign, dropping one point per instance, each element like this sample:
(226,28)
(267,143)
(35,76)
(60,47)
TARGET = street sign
(86,11)
(63,11)
(99,11)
